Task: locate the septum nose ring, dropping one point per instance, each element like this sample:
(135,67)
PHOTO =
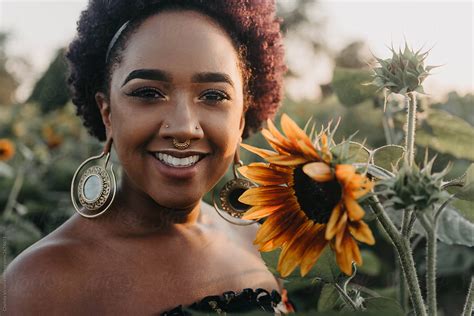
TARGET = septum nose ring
(181,145)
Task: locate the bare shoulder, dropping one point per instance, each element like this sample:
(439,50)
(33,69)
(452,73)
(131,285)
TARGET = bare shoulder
(43,279)
(245,233)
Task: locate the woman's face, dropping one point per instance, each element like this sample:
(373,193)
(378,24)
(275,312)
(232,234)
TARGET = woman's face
(179,78)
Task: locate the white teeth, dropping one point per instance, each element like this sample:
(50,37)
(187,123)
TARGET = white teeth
(177,162)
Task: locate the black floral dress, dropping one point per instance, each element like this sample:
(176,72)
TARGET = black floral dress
(248,300)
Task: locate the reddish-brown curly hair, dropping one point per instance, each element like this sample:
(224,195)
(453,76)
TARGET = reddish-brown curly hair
(251,24)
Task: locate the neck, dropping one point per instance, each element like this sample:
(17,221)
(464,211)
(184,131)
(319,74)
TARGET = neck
(134,213)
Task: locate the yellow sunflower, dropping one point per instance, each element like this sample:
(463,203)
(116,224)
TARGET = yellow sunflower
(308,201)
(7,149)
(51,137)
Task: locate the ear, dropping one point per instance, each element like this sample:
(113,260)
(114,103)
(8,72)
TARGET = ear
(103,104)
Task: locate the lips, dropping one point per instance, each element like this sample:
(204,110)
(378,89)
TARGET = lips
(177,164)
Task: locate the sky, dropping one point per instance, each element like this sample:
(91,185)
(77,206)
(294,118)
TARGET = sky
(38,28)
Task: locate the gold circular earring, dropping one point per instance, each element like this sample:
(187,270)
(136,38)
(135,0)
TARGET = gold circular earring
(93,185)
(229,197)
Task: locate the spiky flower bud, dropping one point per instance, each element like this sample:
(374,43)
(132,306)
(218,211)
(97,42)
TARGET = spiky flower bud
(415,187)
(403,73)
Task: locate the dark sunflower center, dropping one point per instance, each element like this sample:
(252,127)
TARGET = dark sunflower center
(317,199)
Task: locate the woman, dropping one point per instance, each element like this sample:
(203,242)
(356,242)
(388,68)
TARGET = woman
(173,86)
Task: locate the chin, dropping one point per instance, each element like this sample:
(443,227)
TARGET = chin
(177,202)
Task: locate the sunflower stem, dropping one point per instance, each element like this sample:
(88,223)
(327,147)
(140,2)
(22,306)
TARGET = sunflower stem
(402,245)
(15,190)
(407,214)
(388,125)
(467,311)
(347,298)
(402,288)
(411,223)
(430,228)
(410,99)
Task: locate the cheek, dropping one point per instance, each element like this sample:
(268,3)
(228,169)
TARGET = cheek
(224,131)
(130,129)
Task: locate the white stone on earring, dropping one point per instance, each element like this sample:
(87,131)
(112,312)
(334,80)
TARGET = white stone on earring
(92,187)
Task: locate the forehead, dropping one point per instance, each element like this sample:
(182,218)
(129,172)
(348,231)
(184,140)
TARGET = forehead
(180,42)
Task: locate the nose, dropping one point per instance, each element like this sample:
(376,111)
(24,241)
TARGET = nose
(181,122)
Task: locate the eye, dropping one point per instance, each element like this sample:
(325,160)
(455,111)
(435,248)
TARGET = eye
(147,93)
(214,96)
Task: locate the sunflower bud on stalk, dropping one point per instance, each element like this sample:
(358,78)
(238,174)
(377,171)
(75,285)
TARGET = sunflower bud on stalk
(403,73)
(308,199)
(415,187)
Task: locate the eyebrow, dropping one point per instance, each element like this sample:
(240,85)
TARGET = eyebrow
(212,77)
(151,74)
(160,75)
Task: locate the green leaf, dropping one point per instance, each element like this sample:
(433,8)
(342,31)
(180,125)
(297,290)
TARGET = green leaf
(452,260)
(465,208)
(329,298)
(378,172)
(349,85)
(325,269)
(383,305)
(389,155)
(453,228)
(271,260)
(355,152)
(447,133)
(467,191)
(371,263)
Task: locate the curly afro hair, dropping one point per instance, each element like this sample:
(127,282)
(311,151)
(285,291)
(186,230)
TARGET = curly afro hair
(251,24)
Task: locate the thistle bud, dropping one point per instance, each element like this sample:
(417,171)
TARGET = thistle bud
(403,73)
(415,187)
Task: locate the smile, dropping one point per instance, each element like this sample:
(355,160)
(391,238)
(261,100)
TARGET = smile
(177,162)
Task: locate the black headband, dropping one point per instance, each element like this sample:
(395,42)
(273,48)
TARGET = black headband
(114,40)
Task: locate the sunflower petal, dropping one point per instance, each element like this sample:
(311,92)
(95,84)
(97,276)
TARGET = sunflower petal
(356,256)
(362,232)
(308,150)
(331,225)
(344,172)
(345,256)
(261,211)
(353,209)
(363,189)
(286,144)
(282,238)
(263,174)
(285,160)
(293,131)
(278,224)
(268,246)
(275,143)
(327,156)
(264,153)
(292,253)
(318,171)
(266,195)
(313,252)
(339,239)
